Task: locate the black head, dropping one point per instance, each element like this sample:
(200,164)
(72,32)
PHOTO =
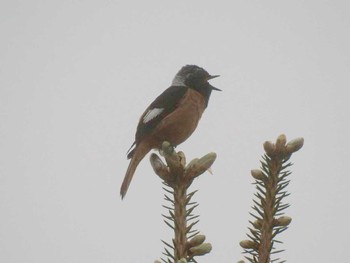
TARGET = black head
(195,78)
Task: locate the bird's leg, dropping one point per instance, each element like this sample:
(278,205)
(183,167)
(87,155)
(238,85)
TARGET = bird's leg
(166,149)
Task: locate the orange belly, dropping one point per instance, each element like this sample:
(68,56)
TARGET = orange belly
(180,124)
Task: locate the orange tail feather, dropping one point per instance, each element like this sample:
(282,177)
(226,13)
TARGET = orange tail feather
(139,153)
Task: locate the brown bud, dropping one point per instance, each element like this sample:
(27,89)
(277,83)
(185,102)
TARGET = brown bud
(192,164)
(248,244)
(182,158)
(183,260)
(206,161)
(257,224)
(294,145)
(257,174)
(198,166)
(196,241)
(159,167)
(201,250)
(281,143)
(282,221)
(270,148)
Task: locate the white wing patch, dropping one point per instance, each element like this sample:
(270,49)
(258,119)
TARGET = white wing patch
(151,114)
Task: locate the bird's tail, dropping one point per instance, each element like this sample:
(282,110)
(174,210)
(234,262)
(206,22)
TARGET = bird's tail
(139,152)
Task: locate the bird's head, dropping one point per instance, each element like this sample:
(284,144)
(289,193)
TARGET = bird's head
(195,78)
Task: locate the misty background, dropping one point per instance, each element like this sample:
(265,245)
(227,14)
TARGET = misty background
(75,76)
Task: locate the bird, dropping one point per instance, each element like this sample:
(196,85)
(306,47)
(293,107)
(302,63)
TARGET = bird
(172,116)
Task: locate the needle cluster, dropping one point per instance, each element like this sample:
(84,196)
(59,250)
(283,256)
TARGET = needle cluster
(177,178)
(271,181)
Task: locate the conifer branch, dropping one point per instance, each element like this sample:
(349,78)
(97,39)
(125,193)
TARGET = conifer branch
(177,178)
(271,182)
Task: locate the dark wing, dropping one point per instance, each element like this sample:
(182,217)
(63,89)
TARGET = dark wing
(163,105)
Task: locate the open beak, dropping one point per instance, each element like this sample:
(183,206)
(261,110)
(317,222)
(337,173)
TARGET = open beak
(212,77)
(215,88)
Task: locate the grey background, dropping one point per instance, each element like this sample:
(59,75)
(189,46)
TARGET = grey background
(76,75)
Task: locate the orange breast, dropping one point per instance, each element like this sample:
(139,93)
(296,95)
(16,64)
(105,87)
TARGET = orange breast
(180,124)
